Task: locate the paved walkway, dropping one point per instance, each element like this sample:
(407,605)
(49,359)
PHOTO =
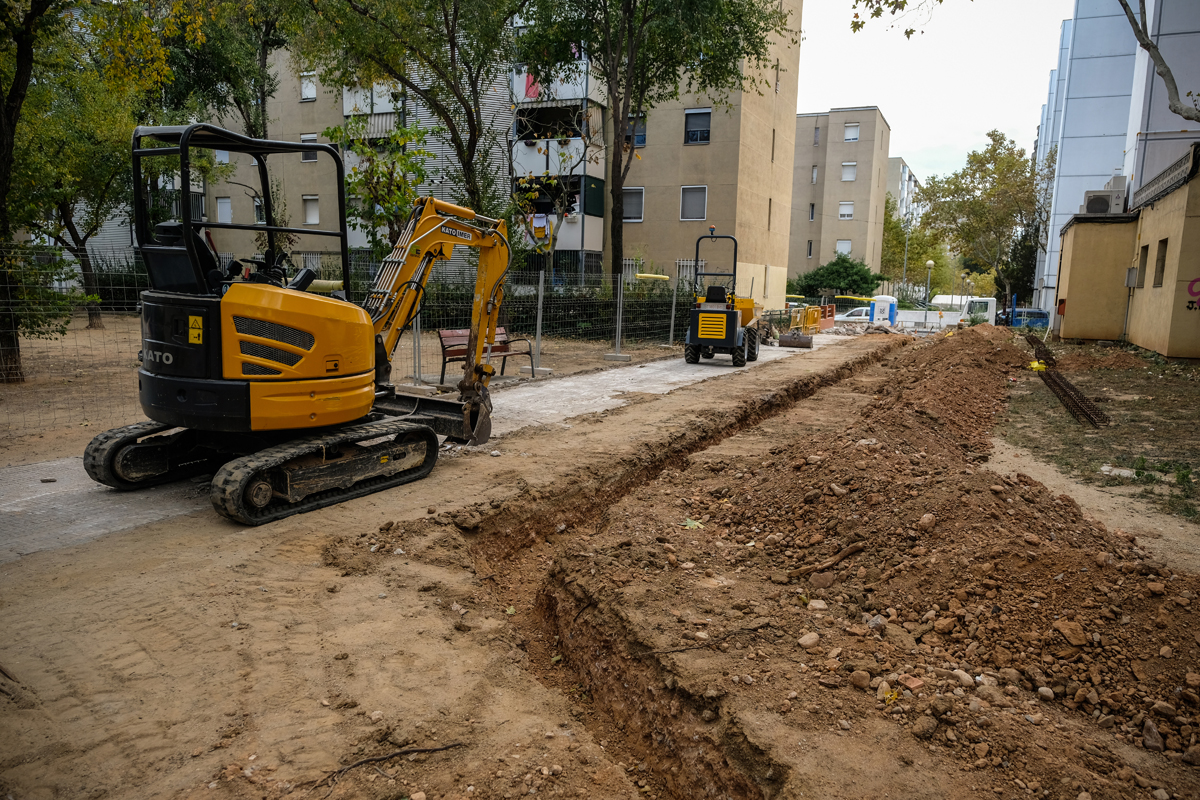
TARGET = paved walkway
(43,516)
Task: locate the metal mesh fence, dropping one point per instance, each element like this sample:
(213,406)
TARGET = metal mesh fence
(74,361)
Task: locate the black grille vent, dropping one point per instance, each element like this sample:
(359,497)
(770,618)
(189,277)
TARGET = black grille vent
(270,353)
(256,369)
(275,331)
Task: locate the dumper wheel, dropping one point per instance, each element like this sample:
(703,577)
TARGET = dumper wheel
(739,353)
(752,344)
(691,353)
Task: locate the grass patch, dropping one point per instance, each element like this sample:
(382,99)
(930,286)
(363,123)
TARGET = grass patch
(1155,430)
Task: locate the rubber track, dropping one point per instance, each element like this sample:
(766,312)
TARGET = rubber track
(229,484)
(102,451)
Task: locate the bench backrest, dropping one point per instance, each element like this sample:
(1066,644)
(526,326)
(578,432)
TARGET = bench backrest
(460,337)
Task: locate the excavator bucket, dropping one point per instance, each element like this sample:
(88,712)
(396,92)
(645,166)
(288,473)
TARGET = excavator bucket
(469,422)
(794,338)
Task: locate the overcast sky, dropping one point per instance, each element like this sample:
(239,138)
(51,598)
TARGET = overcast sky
(979,65)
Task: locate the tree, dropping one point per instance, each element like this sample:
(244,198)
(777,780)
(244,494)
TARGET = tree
(842,275)
(1139,22)
(382,178)
(448,55)
(984,208)
(642,52)
(130,42)
(915,237)
(73,163)
(230,70)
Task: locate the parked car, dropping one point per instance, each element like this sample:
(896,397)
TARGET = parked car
(855,315)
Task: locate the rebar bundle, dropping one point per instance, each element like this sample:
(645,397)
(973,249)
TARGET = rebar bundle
(1040,351)
(1080,407)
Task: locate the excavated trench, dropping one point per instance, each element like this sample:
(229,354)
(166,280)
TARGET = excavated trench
(691,744)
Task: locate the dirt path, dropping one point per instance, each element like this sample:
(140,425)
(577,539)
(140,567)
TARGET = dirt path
(624,608)
(127,676)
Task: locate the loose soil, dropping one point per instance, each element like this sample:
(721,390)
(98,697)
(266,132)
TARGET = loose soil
(800,580)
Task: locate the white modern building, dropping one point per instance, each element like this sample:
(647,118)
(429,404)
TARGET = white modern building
(903,186)
(1106,111)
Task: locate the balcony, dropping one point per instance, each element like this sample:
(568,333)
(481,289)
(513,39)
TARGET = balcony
(556,156)
(526,90)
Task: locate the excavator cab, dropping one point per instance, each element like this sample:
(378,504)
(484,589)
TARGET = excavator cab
(275,380)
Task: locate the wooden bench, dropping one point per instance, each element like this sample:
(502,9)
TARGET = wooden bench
(454,348)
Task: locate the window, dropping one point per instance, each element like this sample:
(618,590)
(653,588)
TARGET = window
(814,173)
(696,123)
(308,86)
(693,202)
(846,210)
(769,202)
(851,132)
(772,145)
(1160,262)
(843,246)
(634,200)
(777,76)
(810,248)
(816,137)
(221,156)
(312,210)
(260,214)
(635,131)
(224,210)
(308,155)
(1142,259)
(812,211)
(849,170)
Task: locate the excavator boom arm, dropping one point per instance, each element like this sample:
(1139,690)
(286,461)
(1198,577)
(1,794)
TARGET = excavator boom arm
(433,230)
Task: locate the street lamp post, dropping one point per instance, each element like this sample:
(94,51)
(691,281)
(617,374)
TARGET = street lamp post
(929,275)
(907,233)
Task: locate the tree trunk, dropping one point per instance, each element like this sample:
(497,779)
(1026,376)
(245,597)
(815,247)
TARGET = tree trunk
(78,248)
(10,342)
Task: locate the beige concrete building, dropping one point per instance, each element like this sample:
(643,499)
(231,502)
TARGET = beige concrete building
(703,164)
(841,173)
(1156,248)
(300,110)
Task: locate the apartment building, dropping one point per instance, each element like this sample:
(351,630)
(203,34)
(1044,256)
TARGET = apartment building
(840,187)
(1107,115)
(903,186)
(300,111)
(698,163)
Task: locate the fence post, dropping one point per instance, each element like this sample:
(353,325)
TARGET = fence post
(616,355)
(537,337)
(674,294)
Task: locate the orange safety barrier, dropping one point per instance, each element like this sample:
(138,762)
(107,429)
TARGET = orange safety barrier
(827,315)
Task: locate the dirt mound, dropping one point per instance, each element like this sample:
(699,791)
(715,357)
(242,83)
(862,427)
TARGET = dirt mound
(1082,362)
(879,573)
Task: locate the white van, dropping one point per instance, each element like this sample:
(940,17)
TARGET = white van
(983,306)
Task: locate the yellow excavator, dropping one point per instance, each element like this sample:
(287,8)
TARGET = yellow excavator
(282,393)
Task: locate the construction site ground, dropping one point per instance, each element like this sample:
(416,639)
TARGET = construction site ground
(814,578)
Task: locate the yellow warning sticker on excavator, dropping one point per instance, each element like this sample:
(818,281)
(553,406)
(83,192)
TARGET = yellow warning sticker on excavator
(195,330)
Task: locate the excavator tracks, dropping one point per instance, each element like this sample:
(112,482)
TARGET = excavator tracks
(142,455)
(312,473)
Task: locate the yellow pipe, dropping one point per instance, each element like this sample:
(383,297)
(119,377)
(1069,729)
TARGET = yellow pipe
(852,297)
(648,276)
(794,296)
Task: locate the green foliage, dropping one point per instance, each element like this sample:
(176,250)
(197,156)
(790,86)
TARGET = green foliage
(643,52)
(447,54)
(842,275)
(923,243)
(382,179)
(984,209)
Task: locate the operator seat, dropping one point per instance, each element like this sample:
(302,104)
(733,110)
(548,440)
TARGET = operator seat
(716,294)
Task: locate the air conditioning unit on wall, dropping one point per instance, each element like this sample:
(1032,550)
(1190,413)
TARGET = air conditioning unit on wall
(1106,202)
